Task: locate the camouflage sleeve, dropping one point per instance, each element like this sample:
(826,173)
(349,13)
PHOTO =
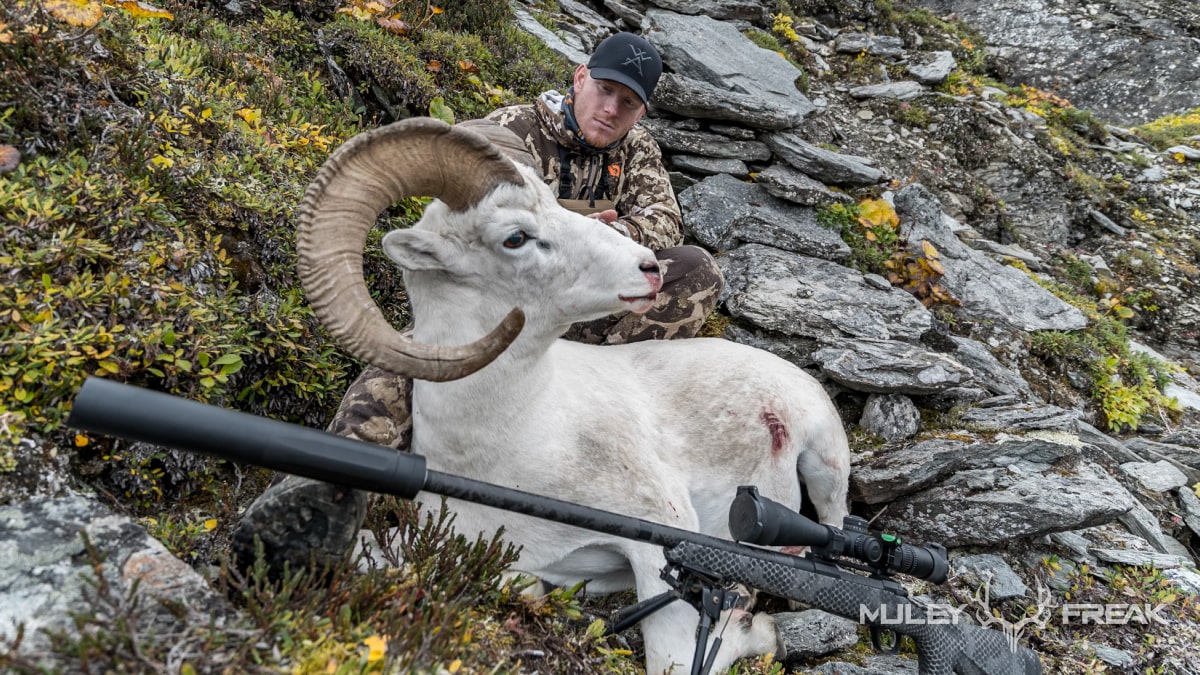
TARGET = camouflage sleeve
(645,200)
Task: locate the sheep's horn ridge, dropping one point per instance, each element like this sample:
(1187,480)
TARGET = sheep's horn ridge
(411,158)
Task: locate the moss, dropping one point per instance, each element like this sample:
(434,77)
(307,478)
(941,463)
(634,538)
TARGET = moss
(911,114)
(1125,386)
(1171,130)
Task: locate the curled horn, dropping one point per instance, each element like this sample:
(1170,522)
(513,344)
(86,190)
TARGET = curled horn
(410,158)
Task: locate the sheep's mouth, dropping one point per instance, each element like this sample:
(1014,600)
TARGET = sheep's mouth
(641,303)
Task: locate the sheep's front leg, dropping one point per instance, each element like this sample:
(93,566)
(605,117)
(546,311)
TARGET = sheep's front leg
(670,633)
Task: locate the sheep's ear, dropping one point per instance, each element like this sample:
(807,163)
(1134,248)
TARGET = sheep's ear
(419,250)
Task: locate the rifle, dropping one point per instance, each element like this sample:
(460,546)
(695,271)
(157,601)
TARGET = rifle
(699,566)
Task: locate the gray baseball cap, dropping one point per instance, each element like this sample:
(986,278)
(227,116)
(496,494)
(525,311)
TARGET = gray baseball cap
(630,60)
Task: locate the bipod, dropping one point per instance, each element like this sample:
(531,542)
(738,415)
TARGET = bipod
(699,590)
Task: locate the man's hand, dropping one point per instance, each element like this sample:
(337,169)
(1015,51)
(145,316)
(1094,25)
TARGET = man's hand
(608,217)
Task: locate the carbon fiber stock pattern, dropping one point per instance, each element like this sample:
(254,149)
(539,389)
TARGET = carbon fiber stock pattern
(942,648)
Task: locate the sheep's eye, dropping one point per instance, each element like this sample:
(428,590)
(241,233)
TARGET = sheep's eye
(516,239)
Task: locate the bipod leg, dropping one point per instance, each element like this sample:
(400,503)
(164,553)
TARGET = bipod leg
(628,616)
(713,601)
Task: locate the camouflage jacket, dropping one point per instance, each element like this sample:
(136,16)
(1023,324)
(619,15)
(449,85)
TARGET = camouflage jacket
(632,172)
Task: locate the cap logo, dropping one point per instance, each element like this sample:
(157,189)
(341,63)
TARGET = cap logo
(636,60)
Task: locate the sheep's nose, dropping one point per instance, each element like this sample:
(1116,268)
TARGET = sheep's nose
(653,274)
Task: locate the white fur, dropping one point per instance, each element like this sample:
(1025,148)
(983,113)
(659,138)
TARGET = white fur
(660,430)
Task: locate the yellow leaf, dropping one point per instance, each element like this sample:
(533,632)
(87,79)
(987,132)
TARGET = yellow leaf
(210,524)
(6,36)
(454,666)
(85,13)
(376,648)
(141,10)
(80,440)
(252,115)
(929,249)
(877,212)
(437,10)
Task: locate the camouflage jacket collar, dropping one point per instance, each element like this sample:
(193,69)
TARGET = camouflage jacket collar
(555,114)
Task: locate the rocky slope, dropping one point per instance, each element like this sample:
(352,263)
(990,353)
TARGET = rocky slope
(994,398)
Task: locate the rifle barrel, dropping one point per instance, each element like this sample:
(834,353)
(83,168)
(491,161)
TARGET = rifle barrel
(134,413)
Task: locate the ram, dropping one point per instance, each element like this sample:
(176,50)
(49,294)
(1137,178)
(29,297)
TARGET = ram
(496,271)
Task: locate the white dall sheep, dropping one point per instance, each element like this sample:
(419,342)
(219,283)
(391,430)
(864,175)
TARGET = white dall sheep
(660,430)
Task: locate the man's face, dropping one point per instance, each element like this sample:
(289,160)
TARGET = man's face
(605,110)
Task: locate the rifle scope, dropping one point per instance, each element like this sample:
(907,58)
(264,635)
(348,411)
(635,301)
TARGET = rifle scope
(757,520)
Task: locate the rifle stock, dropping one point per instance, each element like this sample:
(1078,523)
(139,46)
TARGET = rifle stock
(942,648)
(138,414)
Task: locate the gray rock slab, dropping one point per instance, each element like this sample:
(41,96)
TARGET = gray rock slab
(1022,416)
(800,295)
(1078,545)
(1142,523)
(905,90)
(527,23)
(987,507)
(890,367)
(1186,437)
(1157,476)
(887,46)
(815,633)
(1003,251)
(631,13)
(1191,509)
(698,99)
(703,48)
(1185,578)
(710,166)
(989,372)
(673,139)
(723,212)
(892,417)
(1123,556)
(586,14)
(44,563)
(789,184)
(890,474)
(1111,655)
(931,68)
(986,288)
(894,473)
(954,397)
(990,569)
(797,350)
(1109,445)
(724,10)
(824,165)
(1184,458)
